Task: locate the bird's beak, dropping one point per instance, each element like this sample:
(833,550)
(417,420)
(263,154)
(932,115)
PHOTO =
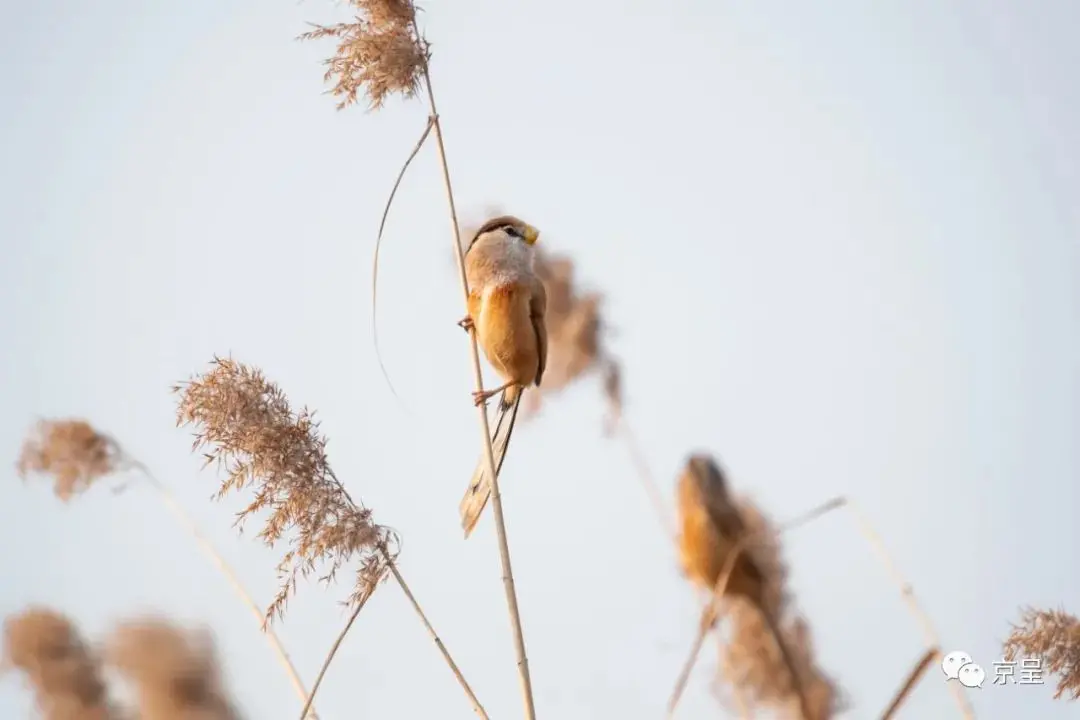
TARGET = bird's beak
(531,234)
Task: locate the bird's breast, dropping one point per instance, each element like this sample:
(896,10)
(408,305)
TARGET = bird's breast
(496,262)
(506,332)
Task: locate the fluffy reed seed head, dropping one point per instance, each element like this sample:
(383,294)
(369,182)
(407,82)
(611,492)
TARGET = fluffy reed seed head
(66,677)
(246,426)
(378,53)
(175,672)
(70,451)
(1054,637)
(758,666)
(575,325)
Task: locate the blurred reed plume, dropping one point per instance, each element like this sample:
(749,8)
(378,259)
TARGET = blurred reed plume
(378,53)
(76,455)
(575,325)
(72,452)
(1053,636)
(246,426)
(65,675)
(757,662)
(175,672)
(769,657)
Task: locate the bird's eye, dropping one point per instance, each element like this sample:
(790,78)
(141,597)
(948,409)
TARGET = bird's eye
(512,231)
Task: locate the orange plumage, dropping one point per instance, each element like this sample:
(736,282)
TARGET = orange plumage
(507,304)
(710,527)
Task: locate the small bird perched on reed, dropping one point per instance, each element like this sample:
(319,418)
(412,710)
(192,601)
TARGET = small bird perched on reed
(711,528)
(506,308)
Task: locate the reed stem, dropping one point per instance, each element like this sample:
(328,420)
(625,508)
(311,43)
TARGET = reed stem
(648,482)
(391,563)
(215,557)
(485,429)
(911,681)
(477,707)
(333,650)
(907,592)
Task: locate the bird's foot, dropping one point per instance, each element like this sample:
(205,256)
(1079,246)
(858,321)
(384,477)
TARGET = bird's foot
(480,397)
(466,323)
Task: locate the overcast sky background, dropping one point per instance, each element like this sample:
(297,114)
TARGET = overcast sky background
(839,249)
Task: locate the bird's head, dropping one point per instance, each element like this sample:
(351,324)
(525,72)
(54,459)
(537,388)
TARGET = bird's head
(706,474)
(514,228)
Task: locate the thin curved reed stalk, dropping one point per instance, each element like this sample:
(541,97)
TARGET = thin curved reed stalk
(710,614)
(907,592)
(485,429)
(375,262)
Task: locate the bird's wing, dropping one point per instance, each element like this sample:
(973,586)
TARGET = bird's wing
(731,528)
(725,516)
(479,490)
(537,311)
(714,495)
(473,305)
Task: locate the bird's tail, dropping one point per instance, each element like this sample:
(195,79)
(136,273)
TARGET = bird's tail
(476,496)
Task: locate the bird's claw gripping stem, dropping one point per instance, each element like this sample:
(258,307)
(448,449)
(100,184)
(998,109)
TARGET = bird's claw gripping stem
(480,397)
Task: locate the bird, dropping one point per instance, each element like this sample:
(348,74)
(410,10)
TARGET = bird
(710,526)
(506,308)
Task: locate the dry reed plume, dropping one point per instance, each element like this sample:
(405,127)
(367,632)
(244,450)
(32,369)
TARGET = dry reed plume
(70,451)
(769,658)
(759,667)
(1053,636)
(76,455)
(378,53)
(244,424)
(64,674)
(175,672)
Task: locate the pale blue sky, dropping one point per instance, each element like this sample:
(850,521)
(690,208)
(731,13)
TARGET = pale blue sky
(839,245)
